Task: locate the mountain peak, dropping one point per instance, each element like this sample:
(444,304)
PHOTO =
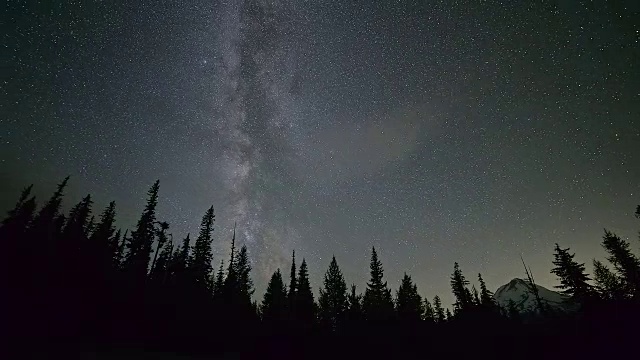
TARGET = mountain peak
(518,291)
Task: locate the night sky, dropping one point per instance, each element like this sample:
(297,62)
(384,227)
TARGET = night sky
(438,131)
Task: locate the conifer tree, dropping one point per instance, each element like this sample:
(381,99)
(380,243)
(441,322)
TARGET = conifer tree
(243,271)
(274,303)
(75,237)
(180,261)
(475,296)
(103,234)
(355,314)
(572,276)
(160,272)
(448,316)
(122,249)
(219,283)
(305,304)
(377,301)
(161,233)
(486,296)
(201,268)
(438,310)
(429,313)
(333,297)
(141,241)
(624,261)
(609,285)
(45,225)
(115,243)
(292,285)
(460,291)
(19,218)
(408,302)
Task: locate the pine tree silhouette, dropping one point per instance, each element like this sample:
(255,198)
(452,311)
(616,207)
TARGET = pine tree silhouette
(408,302)
(377,301)
(608,284)
(161,233)
(574,282)
(438,310)
(448,316)
(218,285)
(355,313)
(200,267)
(305,304)
(274,303)
(141,241)
(475,296)
(460,291)
(292,286)
(429,314)
(486,296)
(46,223)
(333,297)
(18,219)
(624,261)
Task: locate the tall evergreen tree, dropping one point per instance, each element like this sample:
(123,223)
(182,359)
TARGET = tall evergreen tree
(163,239)
(624,261)
(19,218)
(355,313)
(429,313)
(609,285)
(475,296)
(141,241)
(201,268)
(305,304)
(408,302)
(438,310)
(572,276)
(243,271)
(44,226)
(333,297)
(274,303)
(460,291)
(76,254)
(292,285)
(377,301)
(103,234)
(219,283)
(486,296)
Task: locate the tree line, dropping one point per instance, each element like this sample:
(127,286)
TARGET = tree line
(75,277)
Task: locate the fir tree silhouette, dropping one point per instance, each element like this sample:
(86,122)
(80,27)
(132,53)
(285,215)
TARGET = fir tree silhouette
(459,287)
(574,282)
(305,305)
(608,284)
(142,238)
(200,267)
(274,303)
(408,303)
(333,297)
(438,310)
(624,261)
(377,301)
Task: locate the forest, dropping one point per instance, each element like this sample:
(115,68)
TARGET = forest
(73,282)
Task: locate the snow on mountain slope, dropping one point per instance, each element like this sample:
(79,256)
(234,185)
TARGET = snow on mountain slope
(517,290)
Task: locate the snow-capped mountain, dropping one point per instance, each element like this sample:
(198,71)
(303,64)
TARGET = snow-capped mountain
(518,291)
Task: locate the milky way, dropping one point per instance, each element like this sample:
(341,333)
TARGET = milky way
(436,131)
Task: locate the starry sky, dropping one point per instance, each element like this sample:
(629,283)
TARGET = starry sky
(438,131)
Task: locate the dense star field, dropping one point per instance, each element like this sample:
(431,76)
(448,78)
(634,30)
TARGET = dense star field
(437,131)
